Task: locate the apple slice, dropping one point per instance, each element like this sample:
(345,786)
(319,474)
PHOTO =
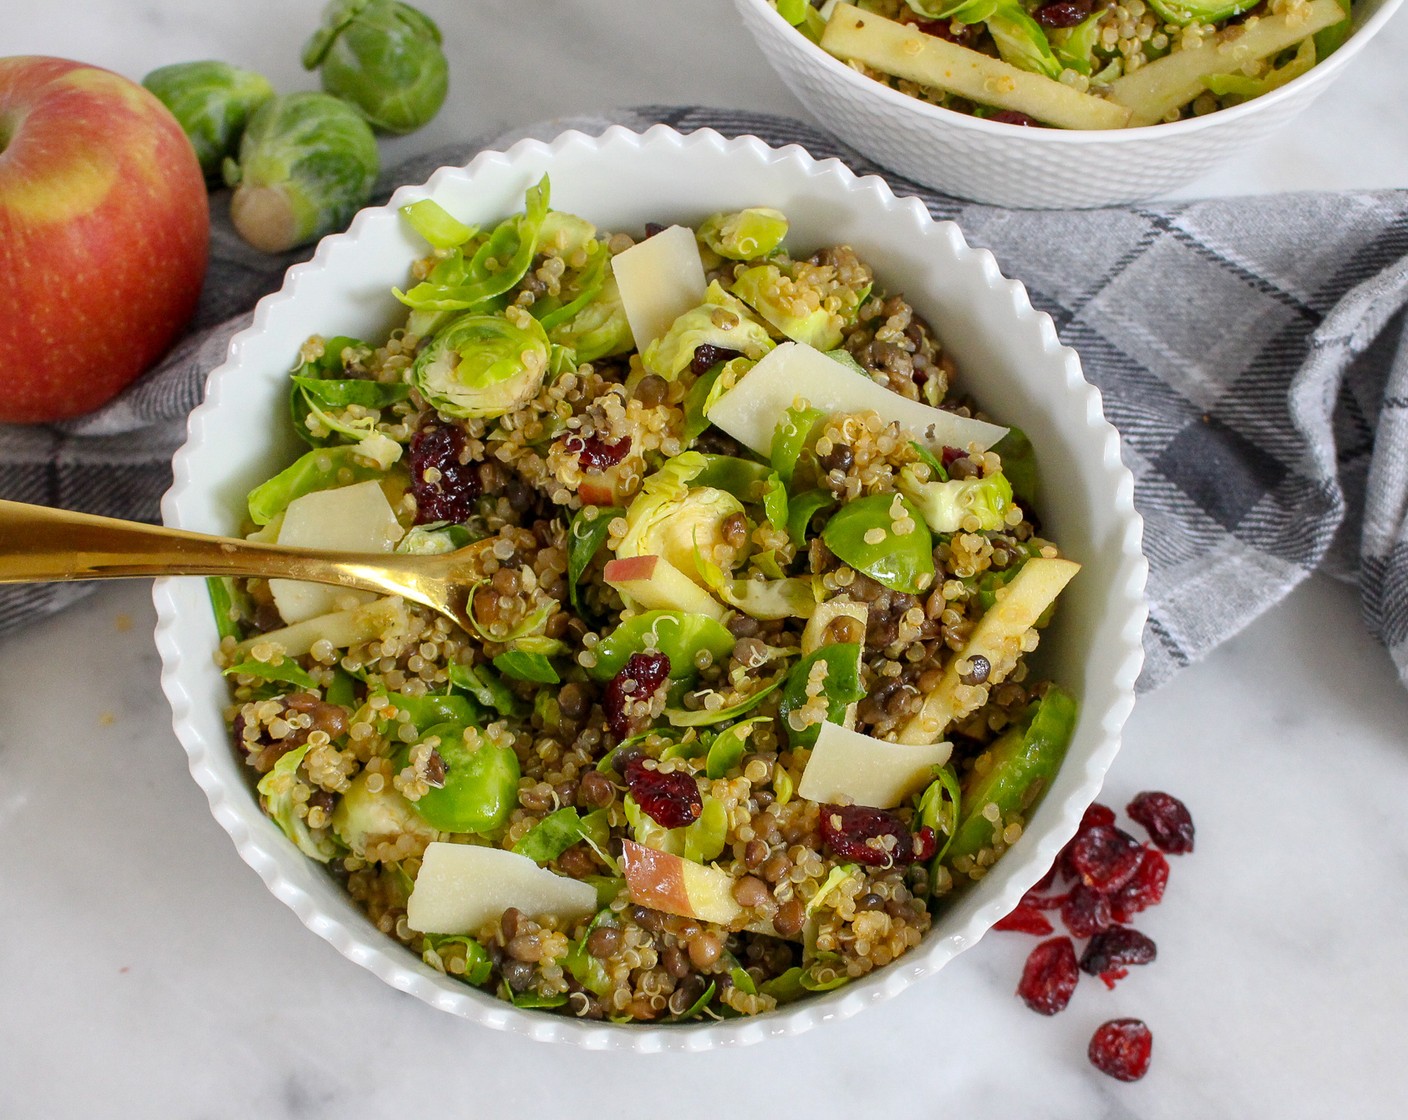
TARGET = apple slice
(659,279)
(1172,81)
(656,584)
(676,885)
(385,619)
(854,35)
(869,771)
(996,638)
(355,518)
(751,409)
(462,886)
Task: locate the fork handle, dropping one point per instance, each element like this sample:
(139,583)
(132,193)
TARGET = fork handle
(42,545)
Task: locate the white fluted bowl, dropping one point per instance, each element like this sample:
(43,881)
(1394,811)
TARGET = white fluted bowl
(620,181)
(1039,168)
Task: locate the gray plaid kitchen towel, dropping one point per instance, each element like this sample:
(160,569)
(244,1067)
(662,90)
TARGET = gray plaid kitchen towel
(1252,353)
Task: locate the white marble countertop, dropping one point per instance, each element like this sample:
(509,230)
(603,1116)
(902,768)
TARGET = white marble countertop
(145,972)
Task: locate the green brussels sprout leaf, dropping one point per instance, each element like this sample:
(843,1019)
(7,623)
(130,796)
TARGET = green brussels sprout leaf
(276,791)
(436,224)
(863,534)
(531,667)
(745,235)
(800,511)
(720,321)
(481,782)
(588,532)
(839,683)
(679,636)
(319,469)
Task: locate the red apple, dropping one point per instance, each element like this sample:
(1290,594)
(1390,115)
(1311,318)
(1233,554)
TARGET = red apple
(104,232)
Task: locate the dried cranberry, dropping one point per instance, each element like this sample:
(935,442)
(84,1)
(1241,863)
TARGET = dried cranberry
(1105,858)
(456,485)
(1044,901)
(1045,882)
(638,679)
(959,33)
(1121,1048)
(1086,911)
(595,454)
(1063,13)
(848,828)
(1166,819)
(1096,814)
(951,455)
(1011,116)
(1144,890)
(652,228)
(1049,976)
(671,800)
(1116,948)
(1025,919)
(708,356)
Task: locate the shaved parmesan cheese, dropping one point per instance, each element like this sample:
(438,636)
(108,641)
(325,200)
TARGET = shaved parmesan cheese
(462,886)
(659,279)
(848,765)
(354,518)
(751,409)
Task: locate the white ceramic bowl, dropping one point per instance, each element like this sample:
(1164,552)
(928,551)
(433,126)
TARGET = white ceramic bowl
(621,180)
(1043,168)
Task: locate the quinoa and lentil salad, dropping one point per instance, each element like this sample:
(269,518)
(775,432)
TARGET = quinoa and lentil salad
(1077,63)
(746,696)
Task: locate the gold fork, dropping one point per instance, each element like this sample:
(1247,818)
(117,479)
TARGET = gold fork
(43,545)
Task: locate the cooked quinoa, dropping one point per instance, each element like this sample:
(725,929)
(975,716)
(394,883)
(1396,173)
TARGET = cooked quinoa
(689,737)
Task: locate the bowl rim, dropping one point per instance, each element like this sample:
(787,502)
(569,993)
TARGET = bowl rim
(1321,72)
(389,960)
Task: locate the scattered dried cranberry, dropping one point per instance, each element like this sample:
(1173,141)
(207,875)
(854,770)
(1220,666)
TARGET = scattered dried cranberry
(1086,911)
(1044,901)
(1096,814)
(1117,948)
(450,496)
(1025,919)
(1121,1048)
(847,828)
(951,455)
(1105,857)
(1049,976)
(671,800)
(708,356)
(1166,819)
(1063,13)
(652,228)
(594,454)
(1144,890)
(638,679)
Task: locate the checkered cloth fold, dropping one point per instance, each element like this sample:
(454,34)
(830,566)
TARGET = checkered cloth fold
(1252,353)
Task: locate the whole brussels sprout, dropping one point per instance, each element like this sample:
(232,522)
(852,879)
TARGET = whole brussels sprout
(384,59)
(307,163)
(213,102)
